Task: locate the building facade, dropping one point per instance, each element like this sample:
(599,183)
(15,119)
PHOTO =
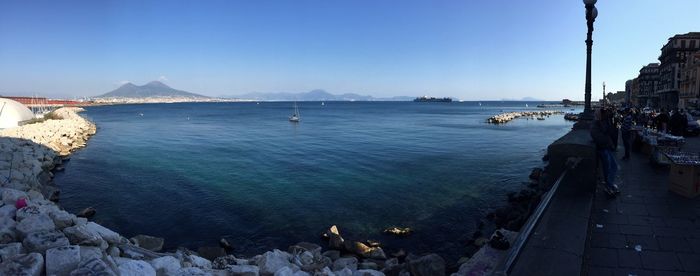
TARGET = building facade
(647,84)
(634,93)
(673,60)
(689,87)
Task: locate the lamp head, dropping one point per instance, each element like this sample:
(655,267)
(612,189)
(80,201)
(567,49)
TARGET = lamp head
(589,2)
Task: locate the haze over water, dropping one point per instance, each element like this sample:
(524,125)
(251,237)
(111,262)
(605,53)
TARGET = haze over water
(195,172)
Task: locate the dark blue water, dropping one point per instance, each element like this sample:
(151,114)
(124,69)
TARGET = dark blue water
(193,173)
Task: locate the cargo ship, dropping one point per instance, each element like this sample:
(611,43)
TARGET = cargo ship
(433,99)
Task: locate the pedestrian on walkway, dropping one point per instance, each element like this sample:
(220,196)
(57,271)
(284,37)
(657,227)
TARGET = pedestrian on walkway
(677,123)
(626,132)
(600,132)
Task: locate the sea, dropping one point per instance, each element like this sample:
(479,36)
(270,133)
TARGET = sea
(193,173)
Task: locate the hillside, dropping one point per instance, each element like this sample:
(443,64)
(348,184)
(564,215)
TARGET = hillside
(154,89)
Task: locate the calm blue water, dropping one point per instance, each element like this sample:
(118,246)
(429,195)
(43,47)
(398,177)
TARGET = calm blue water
(193,173)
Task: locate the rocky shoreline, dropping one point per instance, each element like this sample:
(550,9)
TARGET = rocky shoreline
(38,237)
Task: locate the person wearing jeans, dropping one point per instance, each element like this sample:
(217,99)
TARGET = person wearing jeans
(600,132)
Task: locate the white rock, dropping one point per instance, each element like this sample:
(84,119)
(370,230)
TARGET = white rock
(90,252)
(343,272)
(62,219)
(167,265)
(8,230)
(106,234)
(81,235)
(243,270)
(10,196)
(367,272)
(40,222)
(191,271)
(272,261)
(40,241)
(136,268)
(10,249)
(23,264)
(347,262)
(62,260)
(200,262)
(8,211)
(93,267)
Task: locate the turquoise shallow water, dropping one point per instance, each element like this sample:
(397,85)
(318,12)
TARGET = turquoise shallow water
(193,173)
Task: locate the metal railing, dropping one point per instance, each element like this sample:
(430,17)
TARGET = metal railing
(506,264)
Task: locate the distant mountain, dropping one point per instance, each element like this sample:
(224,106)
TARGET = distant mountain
(314,95)
(154,89)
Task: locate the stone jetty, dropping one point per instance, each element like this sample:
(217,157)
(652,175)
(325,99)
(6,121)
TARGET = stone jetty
(509,116)
(38,237)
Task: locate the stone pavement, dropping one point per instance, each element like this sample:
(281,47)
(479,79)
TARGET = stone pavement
(646,230)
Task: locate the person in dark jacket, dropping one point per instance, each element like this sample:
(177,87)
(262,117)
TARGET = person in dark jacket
(678,123)
(662,120)
(600,132)
(626,132)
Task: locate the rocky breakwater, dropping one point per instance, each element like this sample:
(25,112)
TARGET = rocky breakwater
(509,116)
(38,237)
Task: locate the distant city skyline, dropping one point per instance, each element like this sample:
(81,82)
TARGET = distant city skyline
(471,50)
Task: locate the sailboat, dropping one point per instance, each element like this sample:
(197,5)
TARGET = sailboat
(295,118)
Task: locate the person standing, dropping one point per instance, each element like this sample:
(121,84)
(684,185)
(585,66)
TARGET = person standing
(677,123)
(626,132)
(600,132)
(662,120)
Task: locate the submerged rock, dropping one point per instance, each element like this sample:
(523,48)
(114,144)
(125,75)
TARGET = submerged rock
(335,241)
(398,231)
(211,252)
(88,213)
(154,244)
(226,245)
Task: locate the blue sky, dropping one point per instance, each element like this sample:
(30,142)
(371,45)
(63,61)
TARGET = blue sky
(472,50)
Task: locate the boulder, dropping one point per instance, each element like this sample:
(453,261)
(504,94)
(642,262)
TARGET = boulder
(138,253)
(10,249)
(198,261)
(191,271)
(287,271)
(154,244)
(167,265)
(364,250)
(42,240)
(223,261)
(310,262)
(211,252)
(90,252)
(88,213)
(305,246)
(93,267)
(81,235)
(8,230)
(332,254)
(343,272)
(31,264)
(226,245)
(10,196)
(335,241)
(106,234)
(40,222)
(62,260)
(243,270)
(431,264)
(62,219)
(272,261)
(367,265)
(367,272)
(345,262)
(8,211)
(136,268)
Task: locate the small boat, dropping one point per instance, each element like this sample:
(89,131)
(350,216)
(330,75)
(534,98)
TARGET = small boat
(322,103)
(526,105)
(295,118)
(540,118)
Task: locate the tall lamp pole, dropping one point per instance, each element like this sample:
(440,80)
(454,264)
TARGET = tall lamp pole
(591,14)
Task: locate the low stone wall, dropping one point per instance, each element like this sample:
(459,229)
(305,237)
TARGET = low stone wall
(38,237)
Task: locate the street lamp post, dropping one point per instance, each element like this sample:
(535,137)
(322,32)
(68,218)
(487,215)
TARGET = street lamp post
(591,14)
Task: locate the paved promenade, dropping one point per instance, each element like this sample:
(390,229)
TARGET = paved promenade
(646,230)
